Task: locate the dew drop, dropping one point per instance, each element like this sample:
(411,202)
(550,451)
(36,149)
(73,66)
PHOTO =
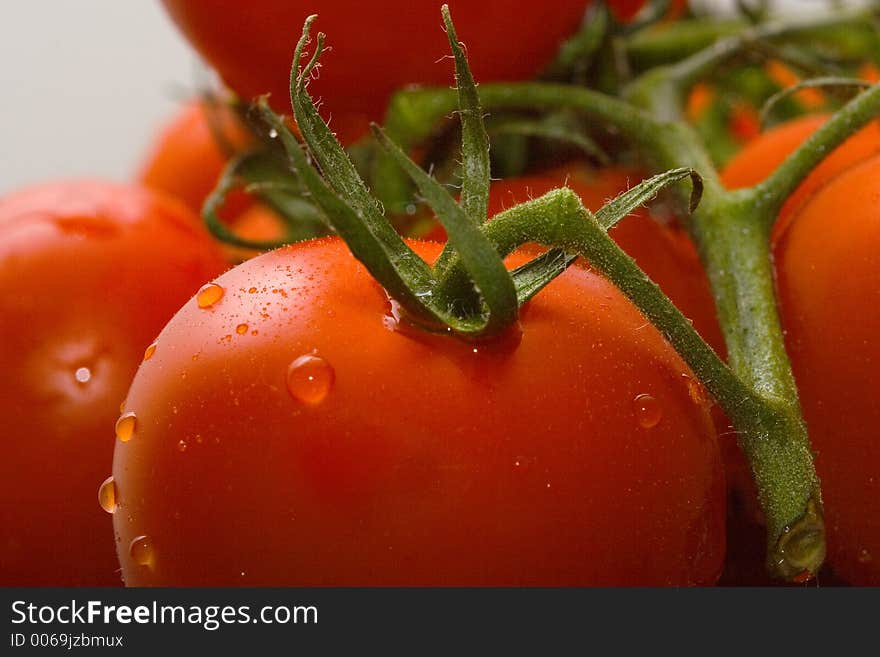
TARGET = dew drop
(241,329)
(125,426)
(865,556)
(141,550)
(82,374)
(107,495)
(309,379)
(209,294)
(181,446)
(648,411)
(149,351)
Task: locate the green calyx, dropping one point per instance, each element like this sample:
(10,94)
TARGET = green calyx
(468,291)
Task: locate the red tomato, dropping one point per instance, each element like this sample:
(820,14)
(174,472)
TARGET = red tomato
(293,432)
(378,47)
(828,277)
(761,157)
(189,154)
(744,122)
(187,160)
(89,274)
(259,224)
(664,251)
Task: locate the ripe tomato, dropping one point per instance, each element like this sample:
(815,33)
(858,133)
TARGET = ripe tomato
(89,274)
(258,223)
(828,277)
(293,432)
(744,123)
(189,154)
(761,157)
(386,46)
(663,250)
(187,160)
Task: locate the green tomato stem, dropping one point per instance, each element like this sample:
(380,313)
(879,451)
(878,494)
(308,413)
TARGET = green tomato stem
(849,32)
(663,87)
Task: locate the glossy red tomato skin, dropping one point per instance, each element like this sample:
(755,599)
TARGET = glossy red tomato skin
(758,159)
(828,277)
(89,274)
(661,248)
(377,48)
(430,460)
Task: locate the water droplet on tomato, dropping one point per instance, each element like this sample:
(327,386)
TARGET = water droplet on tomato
(181,446)
(209,294)
(82,374)
(141,550)
(241,329)
(648,411)
(865,556)
(149,351)
(107,495)
(309,379)
(125,426)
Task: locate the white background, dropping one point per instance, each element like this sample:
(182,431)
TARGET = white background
(86,82)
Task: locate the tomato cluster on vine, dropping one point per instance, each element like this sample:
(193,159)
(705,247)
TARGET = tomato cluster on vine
(256,417)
